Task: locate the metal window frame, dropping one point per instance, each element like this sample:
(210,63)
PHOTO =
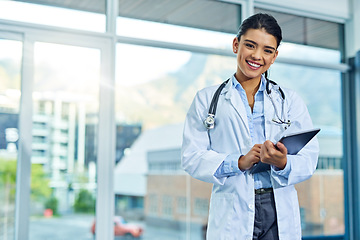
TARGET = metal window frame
(351,133)
(29,34)
(106,148)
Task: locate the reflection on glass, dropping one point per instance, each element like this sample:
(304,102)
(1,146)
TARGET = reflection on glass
(65,107)
(154,89)
(309,53)
(10,74)
(55,16)
(321,197)
(171,33)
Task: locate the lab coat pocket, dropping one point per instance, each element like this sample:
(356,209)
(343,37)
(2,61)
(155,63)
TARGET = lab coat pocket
(221,207)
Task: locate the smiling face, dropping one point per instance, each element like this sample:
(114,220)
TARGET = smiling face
(256,51)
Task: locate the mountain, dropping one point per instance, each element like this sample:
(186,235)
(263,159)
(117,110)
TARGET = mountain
(167,99)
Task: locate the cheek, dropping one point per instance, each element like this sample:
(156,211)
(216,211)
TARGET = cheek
(270,60)
(240,59)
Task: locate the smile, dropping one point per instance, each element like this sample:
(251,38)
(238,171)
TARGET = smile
(255,65)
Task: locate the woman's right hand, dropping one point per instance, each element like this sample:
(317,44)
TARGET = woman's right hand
(245,162)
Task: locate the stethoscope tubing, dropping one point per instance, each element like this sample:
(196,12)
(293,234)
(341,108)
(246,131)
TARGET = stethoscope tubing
(209,121)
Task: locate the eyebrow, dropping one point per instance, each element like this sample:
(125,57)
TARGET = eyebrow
(253,42)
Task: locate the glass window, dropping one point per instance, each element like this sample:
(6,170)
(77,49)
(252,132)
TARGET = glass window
(65,107)
(181,205)
(302,52)
(218,16)
(170,33)
(10,75)
(320,197)
(308,31)
(57,15)
(158,97)
(201,206)
(155,90)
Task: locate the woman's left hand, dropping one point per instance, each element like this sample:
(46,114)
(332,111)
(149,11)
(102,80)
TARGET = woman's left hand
(273,154)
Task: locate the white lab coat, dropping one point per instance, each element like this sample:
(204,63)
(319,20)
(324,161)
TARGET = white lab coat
(231,214)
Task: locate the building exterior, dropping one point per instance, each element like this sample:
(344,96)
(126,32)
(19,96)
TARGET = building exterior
(168,206)
(165,191)
(63,142)
(8,126)
(130,175)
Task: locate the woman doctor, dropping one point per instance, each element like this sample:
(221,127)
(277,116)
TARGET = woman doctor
(251,116)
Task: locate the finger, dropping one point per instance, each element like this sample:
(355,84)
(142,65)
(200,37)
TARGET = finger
(265,147)
(269,144)
(281,147)
(264,153)
(257,147)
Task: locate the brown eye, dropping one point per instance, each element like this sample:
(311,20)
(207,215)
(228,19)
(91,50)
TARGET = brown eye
(249,45)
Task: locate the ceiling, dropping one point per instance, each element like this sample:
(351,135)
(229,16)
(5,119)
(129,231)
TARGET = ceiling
(211,15)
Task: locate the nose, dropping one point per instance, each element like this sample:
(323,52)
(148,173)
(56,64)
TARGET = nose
(256,55)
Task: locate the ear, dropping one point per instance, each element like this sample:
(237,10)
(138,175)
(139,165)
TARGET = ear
(235,45)
(275,56)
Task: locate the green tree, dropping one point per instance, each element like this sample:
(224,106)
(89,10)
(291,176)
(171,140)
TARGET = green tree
(8,178)
(84,202)
(52,203)
(40,189)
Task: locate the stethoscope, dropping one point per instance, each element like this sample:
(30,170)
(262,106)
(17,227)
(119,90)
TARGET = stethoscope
(209,121)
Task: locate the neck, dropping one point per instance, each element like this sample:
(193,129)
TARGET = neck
(250,85)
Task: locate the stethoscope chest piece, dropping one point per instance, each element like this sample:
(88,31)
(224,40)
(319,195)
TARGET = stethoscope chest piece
(209,121)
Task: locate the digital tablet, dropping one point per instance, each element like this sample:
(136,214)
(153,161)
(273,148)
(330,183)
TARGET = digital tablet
(294,142)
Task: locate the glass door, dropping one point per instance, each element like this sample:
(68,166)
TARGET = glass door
(10,81)
(65,101)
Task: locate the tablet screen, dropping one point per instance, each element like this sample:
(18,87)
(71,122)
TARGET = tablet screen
(296,141)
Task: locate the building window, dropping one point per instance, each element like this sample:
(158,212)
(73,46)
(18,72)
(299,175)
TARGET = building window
(167,206)
(181,205)
(201,206)
(153,204)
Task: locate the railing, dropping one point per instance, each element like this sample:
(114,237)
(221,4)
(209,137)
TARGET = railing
(331,237)
(329,162)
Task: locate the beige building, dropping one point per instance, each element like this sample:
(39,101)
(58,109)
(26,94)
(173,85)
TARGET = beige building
(171,197)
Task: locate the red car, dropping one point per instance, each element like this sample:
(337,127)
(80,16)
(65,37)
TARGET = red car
(121,228)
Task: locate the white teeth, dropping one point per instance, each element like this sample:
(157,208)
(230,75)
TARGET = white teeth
(254,64)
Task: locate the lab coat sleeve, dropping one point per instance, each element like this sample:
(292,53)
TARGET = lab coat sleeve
(198,159)
(301,166)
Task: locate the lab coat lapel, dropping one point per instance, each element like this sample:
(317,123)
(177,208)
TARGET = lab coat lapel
(233,97)
(269,113)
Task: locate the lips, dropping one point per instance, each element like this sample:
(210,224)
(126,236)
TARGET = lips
(253,65)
